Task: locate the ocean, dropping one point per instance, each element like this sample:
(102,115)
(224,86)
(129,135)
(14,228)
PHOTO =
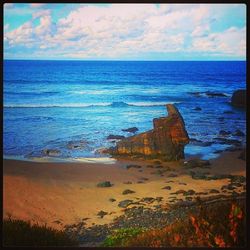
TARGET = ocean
(73,106)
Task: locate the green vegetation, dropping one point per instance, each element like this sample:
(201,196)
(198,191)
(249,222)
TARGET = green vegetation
(120,237)
(22,233)
(217,225)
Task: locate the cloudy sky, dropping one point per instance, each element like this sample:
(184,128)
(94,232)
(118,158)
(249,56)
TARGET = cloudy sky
(125,31)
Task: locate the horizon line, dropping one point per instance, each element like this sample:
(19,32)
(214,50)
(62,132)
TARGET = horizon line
(128,60)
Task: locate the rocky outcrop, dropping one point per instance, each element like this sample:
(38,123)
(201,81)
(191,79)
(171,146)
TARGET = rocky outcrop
(239,98)
(165,141)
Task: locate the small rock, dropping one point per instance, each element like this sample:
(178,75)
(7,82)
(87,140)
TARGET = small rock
(101,214)
(131,130)
(128,191)
(112,200)
(125,203)
(51,152)
(167,188)
(104,184)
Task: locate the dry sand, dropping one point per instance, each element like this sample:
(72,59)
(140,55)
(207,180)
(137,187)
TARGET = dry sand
(64,193)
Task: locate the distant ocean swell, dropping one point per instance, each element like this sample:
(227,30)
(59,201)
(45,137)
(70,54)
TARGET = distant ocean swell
(85,105)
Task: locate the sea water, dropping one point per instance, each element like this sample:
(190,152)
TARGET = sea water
(55,104)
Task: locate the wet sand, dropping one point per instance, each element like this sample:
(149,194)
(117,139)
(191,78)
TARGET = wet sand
(65,193)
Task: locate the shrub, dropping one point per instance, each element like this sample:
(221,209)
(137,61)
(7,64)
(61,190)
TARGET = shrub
(22,233)
(121,236)
(222,225)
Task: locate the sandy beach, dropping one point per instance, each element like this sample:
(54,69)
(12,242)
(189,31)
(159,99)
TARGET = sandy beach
(58,194)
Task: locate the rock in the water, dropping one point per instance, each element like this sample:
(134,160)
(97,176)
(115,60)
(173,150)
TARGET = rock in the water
(112,200)
(239,98)
(165,141)
(104,184)
(197,108)
(76,144)
(167,188)
(131,130)
(128,191)
(238,133)
(115,137)
(51,152)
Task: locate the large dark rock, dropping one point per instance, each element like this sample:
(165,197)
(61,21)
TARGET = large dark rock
(239,98)
(165,141)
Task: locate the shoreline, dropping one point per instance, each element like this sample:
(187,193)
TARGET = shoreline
(60,194)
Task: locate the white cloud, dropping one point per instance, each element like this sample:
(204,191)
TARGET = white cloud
(230,42)
(128,29)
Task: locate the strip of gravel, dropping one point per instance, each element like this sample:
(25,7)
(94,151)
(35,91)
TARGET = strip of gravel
(144,217)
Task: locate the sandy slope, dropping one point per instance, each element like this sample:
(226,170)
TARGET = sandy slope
(65,193)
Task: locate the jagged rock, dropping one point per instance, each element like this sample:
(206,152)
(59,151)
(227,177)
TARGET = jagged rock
(51,152)
(115,137)
(131,130)
(165,141)
(239,98)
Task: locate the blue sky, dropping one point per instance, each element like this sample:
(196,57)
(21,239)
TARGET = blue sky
(125,31)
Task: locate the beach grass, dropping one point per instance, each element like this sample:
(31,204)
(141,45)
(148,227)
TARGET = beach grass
(23,233)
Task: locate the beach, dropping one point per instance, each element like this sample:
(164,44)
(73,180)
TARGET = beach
(60,194)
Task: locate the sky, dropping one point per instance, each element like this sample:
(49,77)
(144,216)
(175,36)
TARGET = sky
(125,31)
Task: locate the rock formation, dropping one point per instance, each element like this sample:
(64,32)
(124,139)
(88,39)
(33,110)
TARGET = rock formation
(239,98)
(165,141)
